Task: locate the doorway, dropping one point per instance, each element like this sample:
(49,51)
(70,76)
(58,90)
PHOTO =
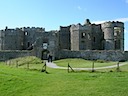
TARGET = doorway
(44,54)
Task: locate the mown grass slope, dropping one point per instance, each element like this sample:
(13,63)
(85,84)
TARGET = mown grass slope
(82,63)
(30,62)
(25,82)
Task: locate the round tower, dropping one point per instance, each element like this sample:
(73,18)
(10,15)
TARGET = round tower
(108,32)
(119,35)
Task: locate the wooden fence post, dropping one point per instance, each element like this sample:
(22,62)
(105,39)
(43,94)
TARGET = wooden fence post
(118,67)
(70,68)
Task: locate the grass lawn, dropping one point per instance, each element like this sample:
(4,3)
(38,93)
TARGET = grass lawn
(26,62)
(24,82)
(81,63)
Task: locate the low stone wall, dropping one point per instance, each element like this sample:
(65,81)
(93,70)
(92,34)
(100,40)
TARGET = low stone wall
(10,54)
(110,55)
(126,55)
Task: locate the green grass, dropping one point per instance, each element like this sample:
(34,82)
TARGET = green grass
(19,82)
(23,82)
(30,62)
(82,63)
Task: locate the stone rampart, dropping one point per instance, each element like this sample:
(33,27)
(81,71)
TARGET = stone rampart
(110,55)
(10,54)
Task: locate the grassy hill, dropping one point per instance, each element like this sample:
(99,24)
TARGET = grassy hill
(82,63)
(26,82)
(30,62)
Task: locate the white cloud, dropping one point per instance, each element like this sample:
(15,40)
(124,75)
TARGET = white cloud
(98,22)
(79,8)
(122,19)
(118,19)
(125,31)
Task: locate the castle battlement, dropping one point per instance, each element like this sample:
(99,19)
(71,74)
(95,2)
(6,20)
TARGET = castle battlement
(80,27)
(112,24)
(106,36)
(39,29)
(76,37)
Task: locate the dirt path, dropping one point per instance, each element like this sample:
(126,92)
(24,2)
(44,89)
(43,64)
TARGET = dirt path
(53,65)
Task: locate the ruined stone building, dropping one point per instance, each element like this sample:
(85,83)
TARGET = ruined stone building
(105,36)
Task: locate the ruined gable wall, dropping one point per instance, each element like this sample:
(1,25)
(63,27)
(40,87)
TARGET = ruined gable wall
(97,37)
(64,37)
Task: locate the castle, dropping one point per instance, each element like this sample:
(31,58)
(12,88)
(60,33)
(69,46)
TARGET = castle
(105,36)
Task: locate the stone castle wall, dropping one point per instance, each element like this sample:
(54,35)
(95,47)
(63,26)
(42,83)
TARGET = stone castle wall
(82,41)
(64,37)
(11,39)
(126,55)
(10,54)
(113,37)
(105,36)
(110,55)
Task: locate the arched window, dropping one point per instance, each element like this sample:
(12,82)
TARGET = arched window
(83,35)
(26,33)
(94,39)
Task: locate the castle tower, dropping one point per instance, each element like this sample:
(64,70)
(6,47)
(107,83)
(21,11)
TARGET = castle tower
(119,35)
(11,39)
(74,29)
(108,32)
(113,35)
(81,37)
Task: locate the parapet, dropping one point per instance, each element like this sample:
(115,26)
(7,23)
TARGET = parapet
(80,27)
(112,24)
(40,29)
(107,24)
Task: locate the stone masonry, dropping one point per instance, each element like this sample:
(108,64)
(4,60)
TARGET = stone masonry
(75,37)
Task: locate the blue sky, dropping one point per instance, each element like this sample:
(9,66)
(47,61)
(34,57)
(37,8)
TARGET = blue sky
(50,14)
